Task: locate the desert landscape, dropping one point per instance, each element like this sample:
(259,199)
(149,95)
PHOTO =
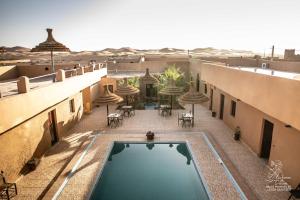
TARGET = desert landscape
(23,53)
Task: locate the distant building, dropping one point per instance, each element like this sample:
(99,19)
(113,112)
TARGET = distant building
(289,54)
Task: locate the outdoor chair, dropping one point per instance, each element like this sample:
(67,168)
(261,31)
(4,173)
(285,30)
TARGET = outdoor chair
(295,193)
(132,112)
(180,119)
(114,123)
(6,189)
(120,119)
(186,122)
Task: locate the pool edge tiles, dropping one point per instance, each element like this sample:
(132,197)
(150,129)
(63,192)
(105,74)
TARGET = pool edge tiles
(81,184)
(191,173)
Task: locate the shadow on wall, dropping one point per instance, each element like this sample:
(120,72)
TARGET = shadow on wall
(43,147)
(40,149)
(63,129)
(8,72)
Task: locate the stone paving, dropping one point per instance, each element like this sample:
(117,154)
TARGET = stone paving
(251,169)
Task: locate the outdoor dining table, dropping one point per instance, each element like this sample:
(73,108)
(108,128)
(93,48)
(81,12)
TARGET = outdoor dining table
(127,109)
(113,117)
(164,109)
(187,117)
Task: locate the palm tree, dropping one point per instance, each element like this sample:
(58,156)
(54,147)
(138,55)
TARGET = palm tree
(172,73)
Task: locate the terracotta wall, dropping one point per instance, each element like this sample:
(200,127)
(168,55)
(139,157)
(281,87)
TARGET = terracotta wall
(32,137)
(8,72)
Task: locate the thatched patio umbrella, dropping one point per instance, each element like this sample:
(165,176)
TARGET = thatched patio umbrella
(192,97)
(108,98)
(50,45)
(171,90)
(126,90)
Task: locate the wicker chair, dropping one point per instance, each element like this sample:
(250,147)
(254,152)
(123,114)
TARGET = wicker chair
(6,189)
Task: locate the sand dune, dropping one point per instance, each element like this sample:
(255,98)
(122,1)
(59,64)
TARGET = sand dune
(15,53)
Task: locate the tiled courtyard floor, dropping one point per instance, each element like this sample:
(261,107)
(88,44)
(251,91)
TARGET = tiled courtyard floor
(249,169)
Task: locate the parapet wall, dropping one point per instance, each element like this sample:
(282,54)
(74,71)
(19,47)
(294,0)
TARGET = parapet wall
(21,107)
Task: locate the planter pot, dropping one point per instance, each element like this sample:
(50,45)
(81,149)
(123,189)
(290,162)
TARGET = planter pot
(150,135)
(33,163)
(213,114)
(237,136)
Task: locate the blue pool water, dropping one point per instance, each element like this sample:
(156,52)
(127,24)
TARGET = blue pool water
(152,171)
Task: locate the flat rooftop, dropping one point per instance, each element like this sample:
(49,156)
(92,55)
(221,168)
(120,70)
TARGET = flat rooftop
(9,87)
(271,72)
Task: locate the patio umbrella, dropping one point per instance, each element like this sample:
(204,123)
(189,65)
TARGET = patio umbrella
(50,45)
(171,90)
(126,90)
(108,98)
(192,97)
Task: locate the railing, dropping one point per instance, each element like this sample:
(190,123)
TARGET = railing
(25,84)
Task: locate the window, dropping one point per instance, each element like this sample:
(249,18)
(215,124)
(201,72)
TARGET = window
(72,105)
(233,108)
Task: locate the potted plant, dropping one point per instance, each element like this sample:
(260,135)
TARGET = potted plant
(150,135)
(237,133)
(33,163)
(213,113)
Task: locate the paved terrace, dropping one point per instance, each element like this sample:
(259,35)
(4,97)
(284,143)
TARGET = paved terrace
(249,171)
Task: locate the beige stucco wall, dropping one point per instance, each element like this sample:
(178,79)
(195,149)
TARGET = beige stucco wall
(8,72)
(107,81)
(289,66)
(154,66)
(285,141)
(280,65)
(257,91)
(275,96)
(30,70)
(243,61)
(32,137)
(95,91)
(23,106)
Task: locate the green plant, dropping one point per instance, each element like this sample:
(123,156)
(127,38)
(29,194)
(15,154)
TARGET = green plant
(134,81)
(172,73)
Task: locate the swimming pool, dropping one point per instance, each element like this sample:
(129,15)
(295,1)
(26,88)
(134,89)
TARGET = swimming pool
(147,171)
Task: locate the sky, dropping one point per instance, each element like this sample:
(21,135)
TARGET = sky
(151,24)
